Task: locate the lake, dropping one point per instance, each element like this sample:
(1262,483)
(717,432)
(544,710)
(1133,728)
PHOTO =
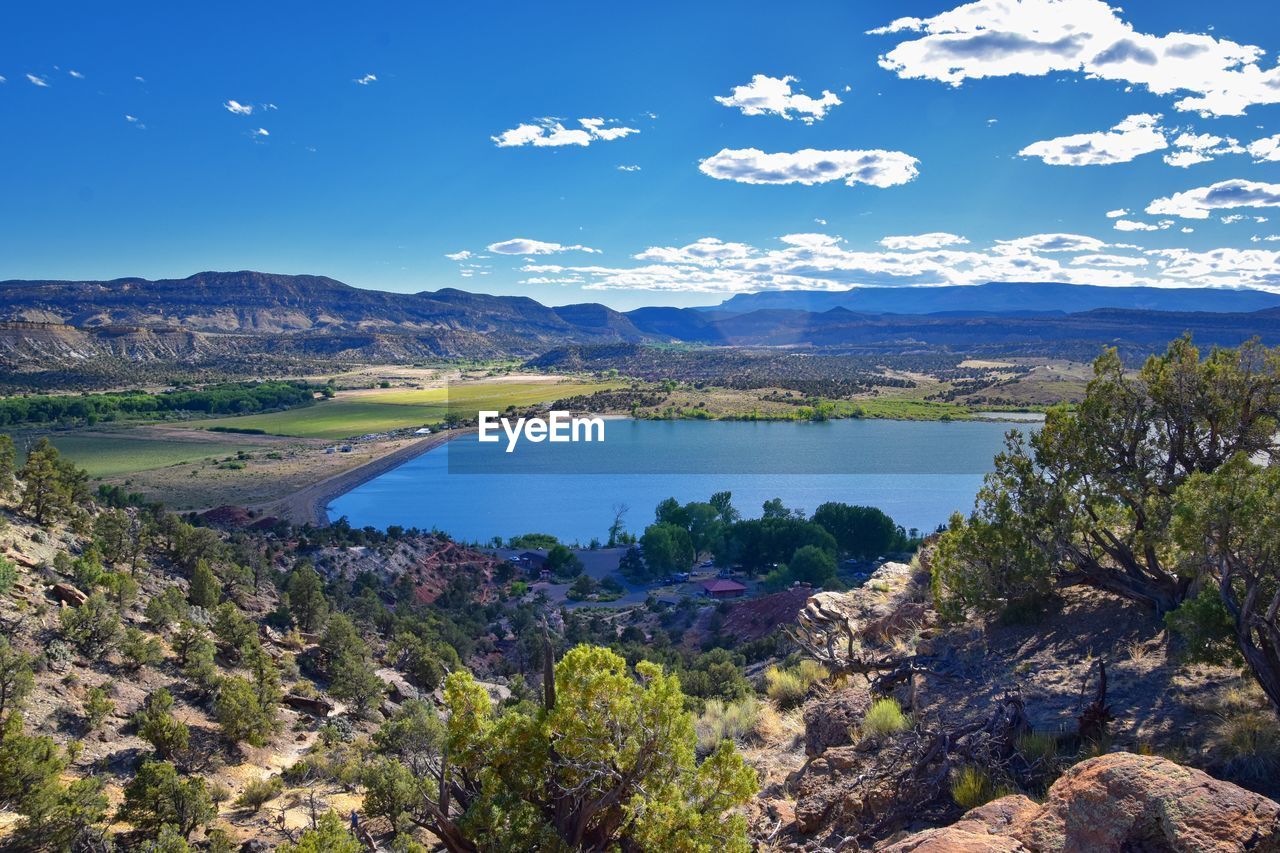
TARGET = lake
(918,472)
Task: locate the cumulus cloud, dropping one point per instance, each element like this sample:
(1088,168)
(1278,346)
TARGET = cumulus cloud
(809,166)
(550,133)
(262,131)
(1193,148)
(628,168)
(366,79)
(239,108)
(1120,211)
(459,256)
(525,246)
(999,38)
(766,95)
(37,80)
(1136,135)
(918,242)
(825,262)
(1224,195)
(1053,243)
(1135,225)
(1266,149)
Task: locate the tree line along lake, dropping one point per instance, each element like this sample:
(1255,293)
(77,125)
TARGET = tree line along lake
(918,472)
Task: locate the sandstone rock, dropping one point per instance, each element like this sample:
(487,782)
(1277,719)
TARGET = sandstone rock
(1126,802)
(1114,804)
(68,594)
(829,720)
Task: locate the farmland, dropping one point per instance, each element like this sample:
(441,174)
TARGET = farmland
(118,452)
(354,413)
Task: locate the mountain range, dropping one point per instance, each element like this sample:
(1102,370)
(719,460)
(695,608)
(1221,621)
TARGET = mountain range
(214,315)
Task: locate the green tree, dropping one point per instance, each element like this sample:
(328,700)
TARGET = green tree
(93,627)
(8,575)
(306,597)
(352,679)
(16,679)
(1093,491)
(205,590)
(45,493)
(607,761)
(159,796)
(1226,528)
(667,548)
(563,563)
(157,725)
(723,502)
(329,836)
(140,650)
(859,531)
(243,716)
(8,465)
(810,564)
(97,707)
(53,814)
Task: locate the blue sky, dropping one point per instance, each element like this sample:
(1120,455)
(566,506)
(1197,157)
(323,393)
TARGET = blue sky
(381,156)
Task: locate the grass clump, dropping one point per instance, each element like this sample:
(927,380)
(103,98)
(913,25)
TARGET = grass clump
(259,791)
(972,787)
(1249,742)
(746,721)
(1039,749)
(788,687)
(884,718)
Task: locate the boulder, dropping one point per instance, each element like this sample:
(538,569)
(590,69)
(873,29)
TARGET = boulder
(68,594)
(1127,802)
(829,720)
(1112,804)
(315,706)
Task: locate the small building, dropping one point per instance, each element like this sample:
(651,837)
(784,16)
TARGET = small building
(532,563)
(723,588)
(423,431)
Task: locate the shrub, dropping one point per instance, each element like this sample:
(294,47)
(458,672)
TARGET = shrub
(139,650)
(258,791)
(157,725)
(97,707)
(884,717)
(93,627)
(8,575)
(735,721)
(788,687)
(972,787)
(1039,749)
(1249,742)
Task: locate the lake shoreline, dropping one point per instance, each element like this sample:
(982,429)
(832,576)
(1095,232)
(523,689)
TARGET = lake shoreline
(310,504)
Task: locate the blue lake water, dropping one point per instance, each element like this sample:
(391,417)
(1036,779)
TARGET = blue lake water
(917,472)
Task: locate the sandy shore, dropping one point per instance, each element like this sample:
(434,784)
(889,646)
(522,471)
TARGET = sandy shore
(308,504)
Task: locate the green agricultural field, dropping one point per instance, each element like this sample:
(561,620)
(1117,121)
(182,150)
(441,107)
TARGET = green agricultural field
(107,455)
(359,413)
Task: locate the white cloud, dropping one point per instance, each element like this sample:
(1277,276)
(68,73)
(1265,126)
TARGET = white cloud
(1120,211)
(239,108)
(1134,225)
(76,74)
(1053,243)
(1196,148)
(1198,203)
(628,168)
(525,246)
(918,242)
(38,81)
(1266,149)
(766,95)
(1138,134)
(703,252)
(1109,261)
(3,79)
(999,38)
(459,256)
(809,166)
(820,220)
(824,262)
(549,133)
(1187,229)
(366,79)
(133,120)
(262,131)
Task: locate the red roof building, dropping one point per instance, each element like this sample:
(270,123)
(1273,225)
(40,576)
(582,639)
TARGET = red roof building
(723,588)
